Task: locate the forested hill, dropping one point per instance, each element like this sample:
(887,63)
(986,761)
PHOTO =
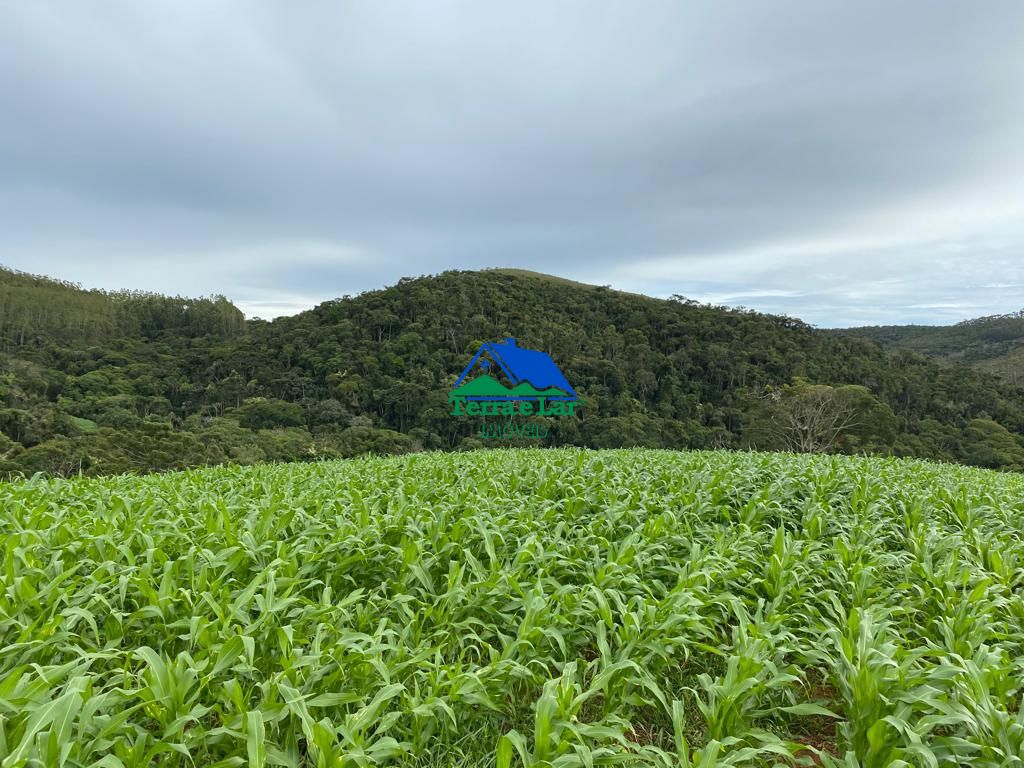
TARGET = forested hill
(35,311)
(373,372)
(994,343)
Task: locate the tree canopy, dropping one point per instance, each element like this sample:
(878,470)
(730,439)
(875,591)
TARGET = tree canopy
(98,382)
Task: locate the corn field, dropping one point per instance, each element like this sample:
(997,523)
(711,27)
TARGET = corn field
(516,608)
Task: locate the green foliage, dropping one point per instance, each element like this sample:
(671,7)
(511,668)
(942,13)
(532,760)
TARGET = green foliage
(285,443)
(54,457)
(156,447)
(817,418)
(516,608)
(653,373)
(988,444)
(261,413)
(8,448)
(35,310)
(356,441)
(78,426)
(994,343)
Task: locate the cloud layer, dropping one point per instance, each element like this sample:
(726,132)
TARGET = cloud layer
(847,165)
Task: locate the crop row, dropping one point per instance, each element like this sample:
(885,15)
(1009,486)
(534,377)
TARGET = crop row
(535,608)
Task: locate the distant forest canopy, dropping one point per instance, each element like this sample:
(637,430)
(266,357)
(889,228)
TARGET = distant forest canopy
(994,343)
(96,382)
(36,311)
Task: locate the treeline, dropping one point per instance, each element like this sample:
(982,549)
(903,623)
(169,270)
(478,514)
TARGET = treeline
(36,311)
(372,374)
(972,341)
(994,343)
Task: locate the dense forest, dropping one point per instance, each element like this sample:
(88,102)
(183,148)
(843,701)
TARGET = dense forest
(95,382)
(36,311)
(994,343)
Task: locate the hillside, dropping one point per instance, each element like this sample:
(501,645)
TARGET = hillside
(516,608)
(373,373)
(994,343)
(35,310)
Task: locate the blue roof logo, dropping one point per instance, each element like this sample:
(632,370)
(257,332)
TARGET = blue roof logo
(538,386)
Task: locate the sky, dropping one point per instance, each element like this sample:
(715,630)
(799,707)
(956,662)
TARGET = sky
(848,164)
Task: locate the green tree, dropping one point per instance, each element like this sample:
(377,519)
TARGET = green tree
(267,413)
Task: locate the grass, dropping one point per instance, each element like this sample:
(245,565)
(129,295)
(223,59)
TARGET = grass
(516,608)
(516,272)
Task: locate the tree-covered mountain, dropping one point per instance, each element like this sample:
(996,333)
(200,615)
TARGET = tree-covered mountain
(36,311)
(130,382)
(994,343)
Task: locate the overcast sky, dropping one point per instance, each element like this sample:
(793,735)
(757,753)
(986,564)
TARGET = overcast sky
(845,163)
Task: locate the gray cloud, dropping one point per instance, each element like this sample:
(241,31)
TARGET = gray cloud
(842,164)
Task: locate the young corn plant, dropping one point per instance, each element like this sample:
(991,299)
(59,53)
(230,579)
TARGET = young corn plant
(516,607)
